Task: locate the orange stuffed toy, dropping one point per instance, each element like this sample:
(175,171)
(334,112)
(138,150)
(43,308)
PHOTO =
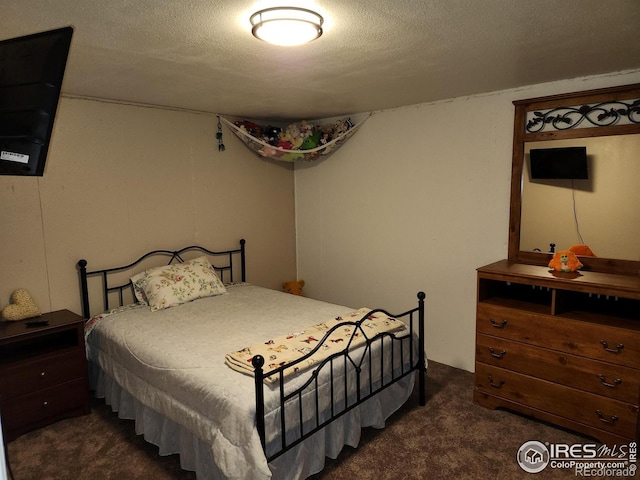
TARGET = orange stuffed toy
(565,261)
(583,250)
(294,287)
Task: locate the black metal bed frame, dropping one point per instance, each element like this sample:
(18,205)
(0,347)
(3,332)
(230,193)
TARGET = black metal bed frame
(351,364)
(225,271)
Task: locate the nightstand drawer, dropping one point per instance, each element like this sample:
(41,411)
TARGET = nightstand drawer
(610,380)
(49,403)
(40,373)
(607,414)
(589,339)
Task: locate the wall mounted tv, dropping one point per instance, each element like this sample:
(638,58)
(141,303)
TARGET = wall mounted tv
(559,163)
(31,73)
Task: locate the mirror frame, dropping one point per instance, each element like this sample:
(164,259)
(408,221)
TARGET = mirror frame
(521,137)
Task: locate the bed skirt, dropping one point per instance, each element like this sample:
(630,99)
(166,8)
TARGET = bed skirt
(300,462)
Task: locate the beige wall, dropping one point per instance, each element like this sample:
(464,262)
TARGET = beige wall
(121,180)
(417,200)
(607,205)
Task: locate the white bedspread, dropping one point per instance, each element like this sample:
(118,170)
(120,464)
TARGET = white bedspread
(173,362)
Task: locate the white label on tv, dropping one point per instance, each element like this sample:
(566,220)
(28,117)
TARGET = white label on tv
(14,157)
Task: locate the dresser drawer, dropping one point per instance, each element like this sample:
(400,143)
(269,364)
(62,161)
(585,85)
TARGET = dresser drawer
(604,413)
(43,372)
(44,404)
(589,339)
(611,380)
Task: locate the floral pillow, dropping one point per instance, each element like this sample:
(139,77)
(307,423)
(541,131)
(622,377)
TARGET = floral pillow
(170,285)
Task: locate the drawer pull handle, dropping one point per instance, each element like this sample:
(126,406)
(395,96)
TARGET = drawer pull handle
(42,374)
(497,355)
(493,384)
(495,324)
(604,382)
(45,404)
(611,421)
(618,348)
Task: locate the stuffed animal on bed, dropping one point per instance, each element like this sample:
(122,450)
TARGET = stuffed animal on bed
(565,261)
(294,287)
(21,306)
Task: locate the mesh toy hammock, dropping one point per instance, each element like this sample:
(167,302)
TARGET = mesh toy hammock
(300,141)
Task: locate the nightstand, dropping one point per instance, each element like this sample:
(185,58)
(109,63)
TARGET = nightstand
(43,372)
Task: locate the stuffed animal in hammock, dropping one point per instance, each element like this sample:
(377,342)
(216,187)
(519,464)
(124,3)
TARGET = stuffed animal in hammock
(565,261)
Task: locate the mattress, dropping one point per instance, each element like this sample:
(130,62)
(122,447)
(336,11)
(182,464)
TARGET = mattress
(167,370)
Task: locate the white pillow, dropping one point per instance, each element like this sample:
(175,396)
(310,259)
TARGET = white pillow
(170,285)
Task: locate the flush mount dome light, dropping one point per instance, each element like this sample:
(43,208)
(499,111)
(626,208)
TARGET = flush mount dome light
(286,26)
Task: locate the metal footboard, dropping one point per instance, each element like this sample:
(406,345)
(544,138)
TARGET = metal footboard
(362,368)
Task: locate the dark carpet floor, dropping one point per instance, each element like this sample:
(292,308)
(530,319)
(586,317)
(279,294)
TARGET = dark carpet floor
(449,438)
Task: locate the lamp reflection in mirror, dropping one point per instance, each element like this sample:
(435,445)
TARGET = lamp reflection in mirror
(286,26)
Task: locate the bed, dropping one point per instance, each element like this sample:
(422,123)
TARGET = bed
(207,377)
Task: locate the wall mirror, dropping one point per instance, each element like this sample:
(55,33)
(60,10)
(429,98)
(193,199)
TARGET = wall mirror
(600,208)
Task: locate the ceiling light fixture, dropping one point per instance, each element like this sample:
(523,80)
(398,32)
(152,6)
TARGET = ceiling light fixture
(286,26)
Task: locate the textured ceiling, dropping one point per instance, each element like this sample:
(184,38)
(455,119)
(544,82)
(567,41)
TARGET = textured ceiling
(200,55)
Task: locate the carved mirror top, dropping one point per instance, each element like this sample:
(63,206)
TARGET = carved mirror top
(557,120)
(603,114)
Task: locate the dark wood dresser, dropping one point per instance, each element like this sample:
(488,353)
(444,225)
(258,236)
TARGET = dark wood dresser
(43,372)
(561,347)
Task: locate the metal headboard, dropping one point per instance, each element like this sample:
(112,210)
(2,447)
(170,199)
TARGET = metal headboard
(224,267)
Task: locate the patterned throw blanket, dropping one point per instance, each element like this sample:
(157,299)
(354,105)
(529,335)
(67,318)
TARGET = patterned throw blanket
(284,349)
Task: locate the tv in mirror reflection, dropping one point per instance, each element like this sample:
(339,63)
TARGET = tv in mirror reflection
(559,163)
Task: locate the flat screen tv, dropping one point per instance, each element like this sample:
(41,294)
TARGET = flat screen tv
(559,163)
(31,73)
